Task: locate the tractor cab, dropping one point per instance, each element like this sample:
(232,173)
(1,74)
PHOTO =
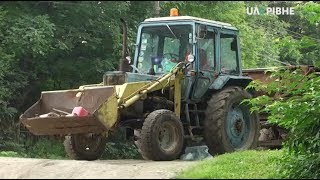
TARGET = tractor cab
(165,41)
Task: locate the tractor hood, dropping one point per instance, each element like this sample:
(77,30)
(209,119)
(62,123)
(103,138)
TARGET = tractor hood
(135,77)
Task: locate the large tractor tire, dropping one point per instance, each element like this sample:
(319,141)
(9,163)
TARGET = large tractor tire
(85,146)
(161,137)
(229,125)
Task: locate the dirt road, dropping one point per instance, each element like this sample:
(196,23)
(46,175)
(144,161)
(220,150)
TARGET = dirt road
(15,168)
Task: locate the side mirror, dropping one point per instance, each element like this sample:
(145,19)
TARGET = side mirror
(202,31)
(190,61)
(190,38)
(234,45)
(190,58)
(128,58)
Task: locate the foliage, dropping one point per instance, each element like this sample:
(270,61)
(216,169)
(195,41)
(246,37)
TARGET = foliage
(43,147)
(311,11)
(51,148)
(293,101)
(47,148)
(250,164)
(57,45)
(9,154)
(302,43)
(121,150)
(118,147)
(11,146)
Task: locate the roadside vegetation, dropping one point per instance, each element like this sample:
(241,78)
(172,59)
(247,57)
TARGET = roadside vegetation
(250,164)
(297,110)
(46,147)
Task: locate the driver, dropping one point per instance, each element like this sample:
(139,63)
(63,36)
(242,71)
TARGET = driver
(168,65)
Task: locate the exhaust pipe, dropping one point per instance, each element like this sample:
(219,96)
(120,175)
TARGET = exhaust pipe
(123,63)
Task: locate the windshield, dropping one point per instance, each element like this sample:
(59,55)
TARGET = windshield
(162,47)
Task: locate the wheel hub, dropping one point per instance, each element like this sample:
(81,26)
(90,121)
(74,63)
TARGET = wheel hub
(89,142)
(237,126)
(164,137)
(167,137)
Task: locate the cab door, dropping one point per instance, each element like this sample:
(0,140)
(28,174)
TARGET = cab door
(206,55)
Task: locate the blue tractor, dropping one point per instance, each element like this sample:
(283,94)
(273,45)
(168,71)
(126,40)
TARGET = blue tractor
(184,85)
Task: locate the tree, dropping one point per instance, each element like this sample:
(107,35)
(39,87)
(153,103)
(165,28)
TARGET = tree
(58,45)
(296,108)
(302,45)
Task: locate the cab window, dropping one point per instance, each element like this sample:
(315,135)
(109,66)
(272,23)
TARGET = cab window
(229,54)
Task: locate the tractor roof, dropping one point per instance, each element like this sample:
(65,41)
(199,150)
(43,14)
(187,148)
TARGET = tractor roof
(191,18)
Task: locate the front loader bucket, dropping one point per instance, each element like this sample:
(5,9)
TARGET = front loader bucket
(90,98)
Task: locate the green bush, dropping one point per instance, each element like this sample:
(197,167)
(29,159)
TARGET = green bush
(297,109)
(50,148)
(118,147)
(121,150)
(11,154)
(11,146)
(44,147)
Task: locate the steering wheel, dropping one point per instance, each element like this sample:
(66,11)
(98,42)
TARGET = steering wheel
(172,55)
(135,68)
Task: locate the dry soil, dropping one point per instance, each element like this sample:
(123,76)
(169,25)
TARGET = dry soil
(16,168)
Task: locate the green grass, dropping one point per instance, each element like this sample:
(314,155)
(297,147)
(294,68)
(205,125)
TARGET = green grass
(11,154)
(251,164)
(50,148)
(43,148)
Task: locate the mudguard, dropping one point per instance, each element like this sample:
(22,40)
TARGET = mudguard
(224,80)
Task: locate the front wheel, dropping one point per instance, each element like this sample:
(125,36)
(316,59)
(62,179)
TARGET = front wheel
(229,125)
(161,137)
(85,146)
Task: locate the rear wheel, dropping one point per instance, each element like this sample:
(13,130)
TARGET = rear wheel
(161,137)
(229,125)
(85,146)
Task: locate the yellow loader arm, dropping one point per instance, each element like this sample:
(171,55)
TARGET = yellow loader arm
(102,103)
